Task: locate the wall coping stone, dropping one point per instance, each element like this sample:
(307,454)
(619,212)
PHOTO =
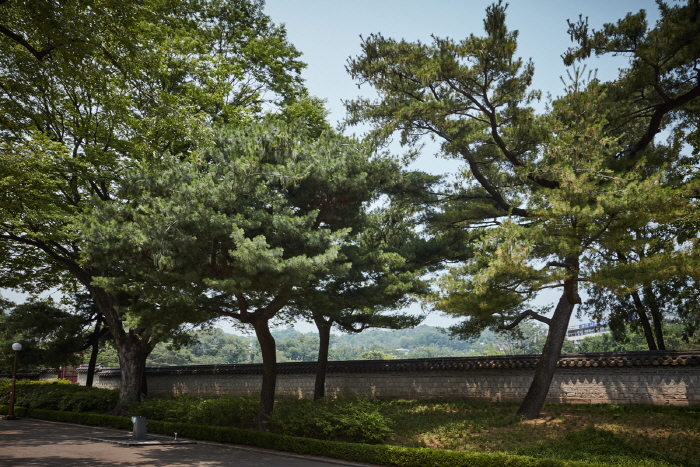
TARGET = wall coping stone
(575,360)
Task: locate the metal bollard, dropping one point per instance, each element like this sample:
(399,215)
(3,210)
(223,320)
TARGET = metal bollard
(139,428)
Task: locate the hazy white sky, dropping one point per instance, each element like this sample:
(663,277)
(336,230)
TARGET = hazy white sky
(328,33)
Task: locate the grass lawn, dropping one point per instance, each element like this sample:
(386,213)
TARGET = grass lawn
(617,434)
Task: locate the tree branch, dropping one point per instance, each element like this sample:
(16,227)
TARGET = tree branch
(656,118)
(38,54)
(523,315)
(228,314)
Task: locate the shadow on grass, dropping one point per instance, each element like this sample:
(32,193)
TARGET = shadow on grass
(598,445)
(448,419)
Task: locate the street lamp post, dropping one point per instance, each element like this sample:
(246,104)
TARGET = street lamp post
(11,411)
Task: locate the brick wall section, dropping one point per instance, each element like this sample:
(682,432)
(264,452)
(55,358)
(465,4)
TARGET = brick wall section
(629,377)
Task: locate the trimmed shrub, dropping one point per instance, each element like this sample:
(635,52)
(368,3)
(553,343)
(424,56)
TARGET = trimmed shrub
(223,411)
(352,420)
(60,395)
(372,454)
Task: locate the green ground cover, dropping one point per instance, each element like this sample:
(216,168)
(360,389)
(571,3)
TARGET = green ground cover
(620,435)
(616,434)
(641,435)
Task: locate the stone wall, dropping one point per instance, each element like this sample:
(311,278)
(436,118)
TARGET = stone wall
(664,377)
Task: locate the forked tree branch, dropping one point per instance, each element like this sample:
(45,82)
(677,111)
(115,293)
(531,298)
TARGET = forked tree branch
(523,315)
(38,54)
(660,112)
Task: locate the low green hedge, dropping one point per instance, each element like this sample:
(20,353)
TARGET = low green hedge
(91,419)
(239,412)
(373,454)
(349,420)
(60,395)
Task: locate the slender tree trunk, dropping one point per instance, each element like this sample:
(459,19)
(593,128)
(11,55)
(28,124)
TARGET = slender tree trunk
(269,380)
(641,312)
(324,334)
(95,341)
(644,320)
(144,381)
(656,316)
(544,372)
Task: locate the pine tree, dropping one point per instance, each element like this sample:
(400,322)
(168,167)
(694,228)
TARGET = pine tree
(541,194)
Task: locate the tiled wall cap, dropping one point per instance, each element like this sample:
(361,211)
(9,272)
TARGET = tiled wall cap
(612,359)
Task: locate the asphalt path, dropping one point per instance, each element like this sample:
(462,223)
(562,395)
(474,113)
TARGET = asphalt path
(28,442)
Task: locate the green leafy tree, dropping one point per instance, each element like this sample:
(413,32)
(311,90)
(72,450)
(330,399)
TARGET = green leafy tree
(89,90)
(238,231)
(376,355)
(302,348)
(540,194)
(342,352)
(647,309)
(86,308)
(426,352)
(165,355)
(50,336)
(636,341)
(386,258)
(217,347)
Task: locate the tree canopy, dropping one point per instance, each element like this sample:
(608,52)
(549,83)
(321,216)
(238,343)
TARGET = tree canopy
(541,194)
(240,229)
(89,91)
(50,336)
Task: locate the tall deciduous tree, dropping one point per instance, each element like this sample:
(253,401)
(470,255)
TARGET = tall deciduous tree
(541,193)
(89,90)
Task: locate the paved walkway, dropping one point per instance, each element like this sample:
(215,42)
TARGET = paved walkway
(29,442)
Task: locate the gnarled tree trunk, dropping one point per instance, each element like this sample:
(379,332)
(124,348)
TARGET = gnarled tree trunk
(133,348)
(132,363)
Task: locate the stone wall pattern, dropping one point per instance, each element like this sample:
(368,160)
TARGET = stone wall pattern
(630,377)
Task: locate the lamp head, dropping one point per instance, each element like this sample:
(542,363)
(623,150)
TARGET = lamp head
(16,346)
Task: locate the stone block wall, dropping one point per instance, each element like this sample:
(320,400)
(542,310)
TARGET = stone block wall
(630,377)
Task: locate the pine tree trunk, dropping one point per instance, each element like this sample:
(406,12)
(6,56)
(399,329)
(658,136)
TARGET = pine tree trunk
(324,333)
(544,372)
(269,380)
(656,316)
(132,364)
(644,320)
(133,348)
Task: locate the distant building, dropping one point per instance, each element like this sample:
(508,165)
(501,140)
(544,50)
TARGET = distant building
(576,333)
(581,331)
